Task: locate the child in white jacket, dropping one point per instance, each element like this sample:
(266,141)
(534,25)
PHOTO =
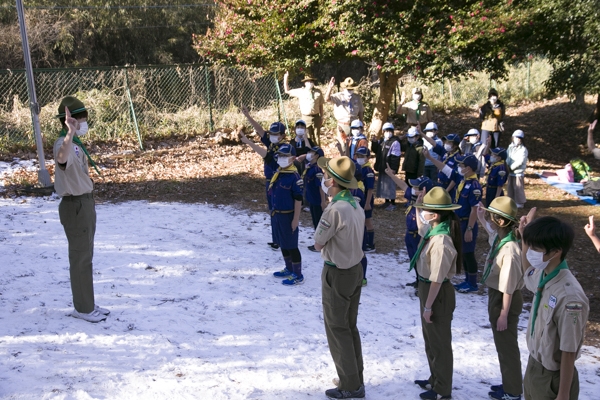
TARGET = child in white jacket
(517,163)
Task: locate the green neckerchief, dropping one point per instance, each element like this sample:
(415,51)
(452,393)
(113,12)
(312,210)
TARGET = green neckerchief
(443,228)
(418,112)
(345,195)
(538,293)
(77,141)
(494,252)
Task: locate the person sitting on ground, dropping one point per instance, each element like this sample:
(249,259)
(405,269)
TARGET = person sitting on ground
(310,100)
(590,230)
(388,152)
(590,141)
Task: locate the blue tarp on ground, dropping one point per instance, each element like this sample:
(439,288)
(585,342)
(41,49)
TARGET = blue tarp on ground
(570,188)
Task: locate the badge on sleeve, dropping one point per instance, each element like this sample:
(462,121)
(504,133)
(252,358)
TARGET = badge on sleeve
(552,302)
(324,224)
(574,311)
(501,173)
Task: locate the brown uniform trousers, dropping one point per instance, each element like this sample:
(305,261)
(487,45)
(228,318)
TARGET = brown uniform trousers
(542,384)
(341,290)
(438,336)
(506,341)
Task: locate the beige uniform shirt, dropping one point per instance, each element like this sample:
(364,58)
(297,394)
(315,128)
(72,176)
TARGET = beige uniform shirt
(72,179)
(346,110)
(507,272)
(561,318)
(438,258)
(410,110)
(340,231)
(310,101)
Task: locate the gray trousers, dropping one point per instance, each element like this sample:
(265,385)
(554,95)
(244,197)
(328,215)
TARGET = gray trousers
(542,384)
(78,218)
(341,295)
(438,336)
(506,341)
(516,189)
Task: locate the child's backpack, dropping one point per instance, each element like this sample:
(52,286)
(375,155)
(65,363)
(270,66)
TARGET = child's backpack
(581,169)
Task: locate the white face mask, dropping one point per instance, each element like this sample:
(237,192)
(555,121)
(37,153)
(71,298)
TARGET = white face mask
(309,85)
(491,227)
(283,161)
(416,97)
(300,131)
(83,128)
(472,139)
(274,138)
(448,147)
(461,172)
(325,188)
(430,134)
(517,141)
(422,217)
(355,132)
(493,100)
(309,156)
(361,160)
(536,259)
(387,135)
(494,159)
(412,140)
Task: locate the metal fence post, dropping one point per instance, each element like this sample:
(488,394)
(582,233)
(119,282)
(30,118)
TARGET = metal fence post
(528,76)
(211,123)
(132,110)
(281,102)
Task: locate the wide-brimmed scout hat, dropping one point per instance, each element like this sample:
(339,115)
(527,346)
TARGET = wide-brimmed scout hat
(505,207)
(437,199)
(417,90)
(309,78)
(73,103)
(348,83)
(341,169)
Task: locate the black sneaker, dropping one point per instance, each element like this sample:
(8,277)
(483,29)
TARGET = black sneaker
(433,395)
(344,394)
(423,383)
(274,246)
(312,248)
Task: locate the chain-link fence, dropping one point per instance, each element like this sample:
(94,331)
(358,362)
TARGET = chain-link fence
(194,99)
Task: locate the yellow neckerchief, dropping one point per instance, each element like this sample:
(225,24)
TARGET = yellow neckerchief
(290,169)
(307,168)
(450,155)
(365,165)
(489,171)
(361,186)
(461,185)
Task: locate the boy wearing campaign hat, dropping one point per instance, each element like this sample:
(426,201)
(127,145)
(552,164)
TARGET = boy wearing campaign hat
(312,176)
(503,274)
(516,160)
(339,237)
(368,174)
(496,175)
(387,151)
(435,147)
(420,185)
(467,196)
(437,260)
(77,209)
(272,139)
(414,161)
(285,189)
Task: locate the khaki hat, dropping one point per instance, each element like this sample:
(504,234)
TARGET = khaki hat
(417,90)
(308,78)
(348,83)
(74,104)
(505,207)
(437,199)
(341,169)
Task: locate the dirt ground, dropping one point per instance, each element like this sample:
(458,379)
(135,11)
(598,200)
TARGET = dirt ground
(197,170)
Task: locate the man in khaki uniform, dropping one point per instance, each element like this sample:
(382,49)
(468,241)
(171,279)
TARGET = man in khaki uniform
(559,313)
(339,237)
(77,208)
(311,102)
(416,111)
(347,104)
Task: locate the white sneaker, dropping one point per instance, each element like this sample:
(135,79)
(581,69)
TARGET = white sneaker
(520,205)
(94,316)
(101,310)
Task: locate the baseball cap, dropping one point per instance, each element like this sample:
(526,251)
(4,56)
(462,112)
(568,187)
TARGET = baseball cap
(412,132)
(357,123)
(468,160)
(363,151)
(472,132)
(318,150)
(519,133)
(277,128)
(431,126)
(421,182)
(285,149)
(500,152)
(388,126)
(300,122)
(453,137)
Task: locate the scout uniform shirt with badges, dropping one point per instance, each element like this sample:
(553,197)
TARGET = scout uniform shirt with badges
(340,231)
(503,270)
(286,186)
(72,179)
(368,178)
(444,180)
(468,195)
(310,100)
(560,320)
(436,260)
(496,175)
(346,109)
(270,160)
(412,229)
(312,183)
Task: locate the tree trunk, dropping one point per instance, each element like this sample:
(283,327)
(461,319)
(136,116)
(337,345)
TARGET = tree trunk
(387,87)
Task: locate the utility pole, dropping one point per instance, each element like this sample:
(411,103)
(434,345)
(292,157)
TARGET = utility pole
(43,174)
